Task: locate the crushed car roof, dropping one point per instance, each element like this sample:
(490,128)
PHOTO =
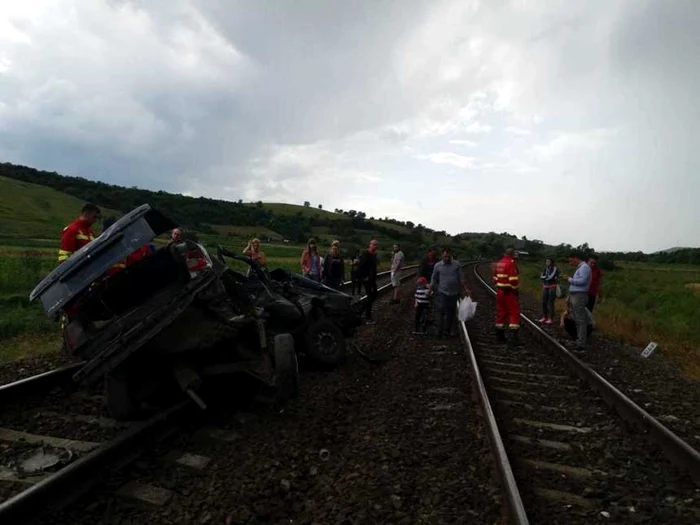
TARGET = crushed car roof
(85,266)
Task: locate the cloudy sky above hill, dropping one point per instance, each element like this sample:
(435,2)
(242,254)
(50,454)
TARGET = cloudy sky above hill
(562,121)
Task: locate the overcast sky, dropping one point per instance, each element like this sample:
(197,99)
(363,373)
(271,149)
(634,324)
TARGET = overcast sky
(565,121)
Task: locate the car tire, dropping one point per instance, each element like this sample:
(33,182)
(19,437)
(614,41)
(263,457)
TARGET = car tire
(286,367)
(121,401)
(325,343)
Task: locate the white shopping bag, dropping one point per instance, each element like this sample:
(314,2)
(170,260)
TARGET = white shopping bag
(467,309)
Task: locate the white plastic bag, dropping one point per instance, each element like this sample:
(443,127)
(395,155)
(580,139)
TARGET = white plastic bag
(467,309)
(559,293)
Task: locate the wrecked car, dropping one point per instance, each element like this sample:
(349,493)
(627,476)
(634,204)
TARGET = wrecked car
(328,316)
(172,318)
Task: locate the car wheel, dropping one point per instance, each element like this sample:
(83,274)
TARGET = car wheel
(121,401)
(286,367)
(325,343)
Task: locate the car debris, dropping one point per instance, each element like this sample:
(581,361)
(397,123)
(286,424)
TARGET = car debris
(181,316)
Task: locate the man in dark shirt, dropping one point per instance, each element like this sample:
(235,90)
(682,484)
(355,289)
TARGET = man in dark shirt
(354,262)
(427,264)
(594,290)
(333,268)
(367,273)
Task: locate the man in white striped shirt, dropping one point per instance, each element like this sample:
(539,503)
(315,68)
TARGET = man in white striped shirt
(422,303)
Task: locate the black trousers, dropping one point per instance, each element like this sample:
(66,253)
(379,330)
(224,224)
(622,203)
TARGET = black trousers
(355,283)
(371,291)
(334,282)
(445,312)
(421,311)
(591,303)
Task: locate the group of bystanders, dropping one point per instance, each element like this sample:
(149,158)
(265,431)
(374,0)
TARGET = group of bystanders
(585,288)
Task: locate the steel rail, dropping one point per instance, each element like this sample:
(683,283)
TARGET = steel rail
(69,483)
(515,507)
(677,450)
(43,381)
(388,286)
(383,274)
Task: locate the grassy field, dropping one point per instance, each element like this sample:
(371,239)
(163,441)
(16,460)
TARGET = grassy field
(24,328)
(246,232)
(38,213)
(643,303)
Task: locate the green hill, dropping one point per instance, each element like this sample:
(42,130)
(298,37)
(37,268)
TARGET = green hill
(31,214)
(213,220)
(36,204)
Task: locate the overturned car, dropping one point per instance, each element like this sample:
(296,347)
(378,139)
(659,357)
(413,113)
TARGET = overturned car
(180,315)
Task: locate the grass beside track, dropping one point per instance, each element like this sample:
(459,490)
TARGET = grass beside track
(643,303)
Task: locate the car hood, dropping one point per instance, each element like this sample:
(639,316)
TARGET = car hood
(86,265)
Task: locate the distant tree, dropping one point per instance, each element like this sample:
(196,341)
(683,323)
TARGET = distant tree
(320,206)
(259,204)
(307,204)
(240,201)
(410,225)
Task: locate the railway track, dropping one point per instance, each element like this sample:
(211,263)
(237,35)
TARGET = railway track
(568,446)
(57,442)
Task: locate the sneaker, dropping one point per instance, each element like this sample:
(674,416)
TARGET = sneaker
(574,346)
(542,320)
(370,321)
(549,321)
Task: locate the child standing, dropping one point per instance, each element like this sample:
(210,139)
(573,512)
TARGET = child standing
(421,303)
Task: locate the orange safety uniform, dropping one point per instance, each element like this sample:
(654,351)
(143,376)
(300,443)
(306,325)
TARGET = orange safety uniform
(506,277)
(76,235)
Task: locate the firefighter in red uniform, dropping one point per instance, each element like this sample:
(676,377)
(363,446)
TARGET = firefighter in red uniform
(79,232)
(76,235)
(506,277)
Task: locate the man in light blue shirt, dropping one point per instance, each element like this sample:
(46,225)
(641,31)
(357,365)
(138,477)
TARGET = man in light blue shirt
(578,290)
(447,283)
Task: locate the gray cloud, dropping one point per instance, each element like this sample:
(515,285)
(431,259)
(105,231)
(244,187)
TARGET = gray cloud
(570,123)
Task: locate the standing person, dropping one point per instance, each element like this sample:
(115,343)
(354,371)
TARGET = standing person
(568,323)
(253,251)
(176,236)
(579,284)
(367,273)
(334,268)
(421,303)
(595,289)
(79,232)
(447,283)
(396,264)
(427,264)
(506,277)
(311,262)
(549,277)
(355,281)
